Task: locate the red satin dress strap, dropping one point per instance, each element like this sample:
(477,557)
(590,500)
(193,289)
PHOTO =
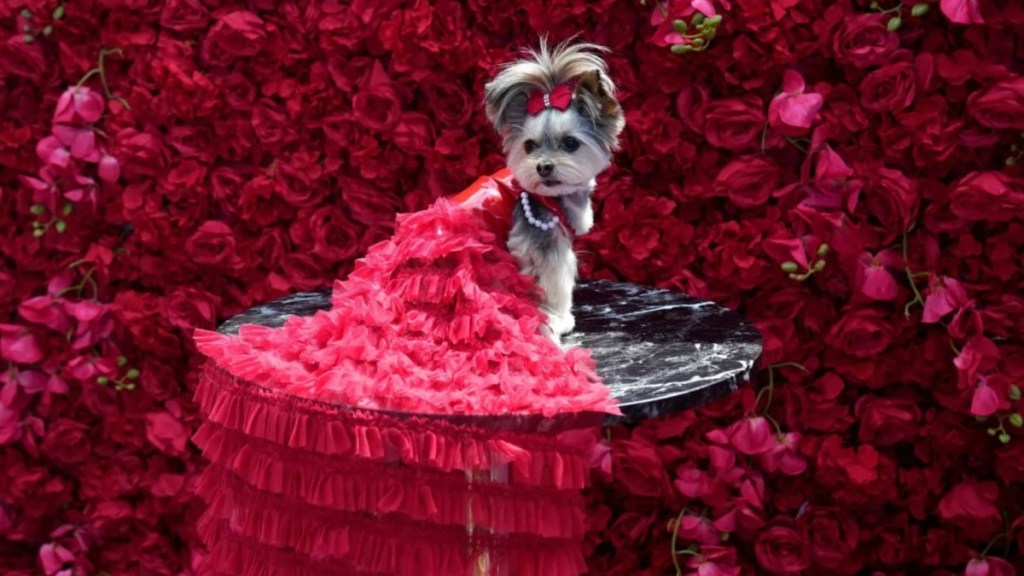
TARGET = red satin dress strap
(495,197)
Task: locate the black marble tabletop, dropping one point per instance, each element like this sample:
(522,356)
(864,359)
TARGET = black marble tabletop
(658,351)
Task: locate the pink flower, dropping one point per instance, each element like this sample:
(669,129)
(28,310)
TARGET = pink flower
(17,344)
(784,456)
(81,141)
(109,169)
(990,395)
(989,566)
(54,558)
(79,105)
(962,11)
(873,277)
(792,111)
(944,295)
(751,436)
(52,151)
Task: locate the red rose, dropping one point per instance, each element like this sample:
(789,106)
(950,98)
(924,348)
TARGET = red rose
(20,58)
(639,468)
(236,35)
(189,308)
(184,15)
(748,181)
(158,380)
(166,432)
(1009,463)
(988,197)
(782,550)
(736,123)
(212,244)
(1000,106)
(832,536)
(887,421)
(891,199)
(888,89)
(972,504)
(862,333)
(328,232)
(376,105)
(691,105)
(449,102)
(270,122)
(864,41)
(67,442)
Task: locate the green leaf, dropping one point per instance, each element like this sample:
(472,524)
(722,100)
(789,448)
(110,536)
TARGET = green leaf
(67,209)
(58,12)
(1004,438)
(37,209)
(61,226)
(919,10)
(38,232)
(1014,392)
(1016,420)
(132,374)
(894,24)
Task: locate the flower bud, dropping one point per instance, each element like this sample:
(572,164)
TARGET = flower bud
(1014,392)
(715,20)
(102,380)
(789,267)
(919,10)
(37,209)
(698,42)
(132,374)
(681,48)
(992,431)
(823,250)
(680,26)
(698,18)
(894,24)
(61,226)
(819,265)
(1016,420)
(1004,438)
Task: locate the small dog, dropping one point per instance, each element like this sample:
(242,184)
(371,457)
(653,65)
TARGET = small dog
(559,121)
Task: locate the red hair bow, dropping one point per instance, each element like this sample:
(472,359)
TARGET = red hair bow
(559,99)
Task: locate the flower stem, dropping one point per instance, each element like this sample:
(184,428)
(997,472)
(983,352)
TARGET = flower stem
(675,537)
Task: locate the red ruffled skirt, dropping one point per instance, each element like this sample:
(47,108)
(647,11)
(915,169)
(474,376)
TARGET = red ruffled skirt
(341,443)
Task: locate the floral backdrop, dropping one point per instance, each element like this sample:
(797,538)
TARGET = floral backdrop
(845,174)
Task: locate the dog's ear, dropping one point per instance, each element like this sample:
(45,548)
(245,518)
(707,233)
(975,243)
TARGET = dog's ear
(595,98)
(505,104)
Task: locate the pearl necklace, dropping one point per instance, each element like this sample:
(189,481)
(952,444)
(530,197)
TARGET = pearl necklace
(524,197)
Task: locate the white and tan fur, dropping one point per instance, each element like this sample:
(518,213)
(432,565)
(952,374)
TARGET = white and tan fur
(557,154)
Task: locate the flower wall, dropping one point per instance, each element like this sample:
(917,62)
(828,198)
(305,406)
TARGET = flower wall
(846,175)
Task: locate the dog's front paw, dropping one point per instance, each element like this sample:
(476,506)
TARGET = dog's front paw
(561,324)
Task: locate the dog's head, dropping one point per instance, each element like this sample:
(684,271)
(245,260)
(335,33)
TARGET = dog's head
(558,117)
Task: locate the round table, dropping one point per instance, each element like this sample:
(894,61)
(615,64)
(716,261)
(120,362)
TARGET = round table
(659,351)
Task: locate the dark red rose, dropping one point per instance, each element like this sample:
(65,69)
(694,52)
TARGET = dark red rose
(972,505)
(377,107)
(832,536)
(1000,106)
(748,181)
(212,244)
(184,15)
(20,58)
(864,41)
(736,123)
(189,308)
(236,35)
(158,380)
(302,272)
(782,550)
(449,102)
(889,89)
(691,105)
(328,232)
(892,201)
(270,122)
(67,442)
(863,333)
(988,197)
(639,468)
(887,421)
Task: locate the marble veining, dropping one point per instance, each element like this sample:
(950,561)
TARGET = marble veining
(658,351)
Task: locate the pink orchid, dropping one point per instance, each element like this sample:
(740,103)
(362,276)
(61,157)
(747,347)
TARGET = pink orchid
(792,111)
(79,104)
(873,278)
(962,11)
(52,151)
(81,141)
(944,295)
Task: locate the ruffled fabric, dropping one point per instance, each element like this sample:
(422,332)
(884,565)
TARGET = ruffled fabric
(297,487)
(436,320)
(410,430)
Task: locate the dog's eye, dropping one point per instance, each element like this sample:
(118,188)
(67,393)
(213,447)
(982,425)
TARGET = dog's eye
(530,146)
(571,144)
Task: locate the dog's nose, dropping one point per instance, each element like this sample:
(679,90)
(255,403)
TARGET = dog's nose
(545,168)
